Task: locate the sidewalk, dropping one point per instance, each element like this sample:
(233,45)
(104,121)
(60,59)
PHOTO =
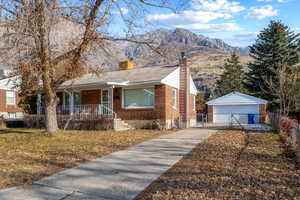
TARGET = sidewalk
(119,176)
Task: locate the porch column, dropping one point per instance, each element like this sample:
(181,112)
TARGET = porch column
(71,103)
(112,100)
(38,103)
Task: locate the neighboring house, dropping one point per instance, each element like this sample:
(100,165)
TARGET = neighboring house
(243,108)
(138,96)
(9,99)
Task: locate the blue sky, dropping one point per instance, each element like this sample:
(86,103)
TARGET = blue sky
(237,22)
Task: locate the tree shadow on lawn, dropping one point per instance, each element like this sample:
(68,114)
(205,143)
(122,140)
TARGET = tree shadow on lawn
(212,172)
(7,131)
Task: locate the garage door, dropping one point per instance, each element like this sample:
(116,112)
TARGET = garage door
(222,114)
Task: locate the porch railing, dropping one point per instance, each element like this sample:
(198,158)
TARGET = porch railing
(84,111)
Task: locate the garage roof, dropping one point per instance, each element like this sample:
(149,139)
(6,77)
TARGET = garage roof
(236,98)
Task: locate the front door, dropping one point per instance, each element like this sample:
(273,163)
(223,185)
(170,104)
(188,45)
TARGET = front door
(106,101)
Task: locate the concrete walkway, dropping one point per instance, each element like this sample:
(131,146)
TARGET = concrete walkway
(118,176)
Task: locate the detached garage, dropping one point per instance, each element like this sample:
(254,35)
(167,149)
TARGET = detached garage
(236,107)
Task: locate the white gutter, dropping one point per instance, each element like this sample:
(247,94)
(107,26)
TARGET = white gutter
(125,83)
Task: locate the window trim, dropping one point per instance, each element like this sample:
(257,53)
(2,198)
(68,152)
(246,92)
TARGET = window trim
(194,103)
(14,103)
(137,107)
(65,94)
(174,106)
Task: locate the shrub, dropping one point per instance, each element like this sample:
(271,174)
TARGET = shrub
(287,126)
(290,135)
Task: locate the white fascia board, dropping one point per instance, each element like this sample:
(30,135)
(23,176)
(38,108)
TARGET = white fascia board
(103,84)
(234,98)
(172,79)
(118,83)
(232,104)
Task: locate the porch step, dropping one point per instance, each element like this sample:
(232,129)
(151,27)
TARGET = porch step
(120,125)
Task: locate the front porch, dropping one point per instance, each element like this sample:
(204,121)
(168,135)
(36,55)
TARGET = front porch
(87,111)
(82,104)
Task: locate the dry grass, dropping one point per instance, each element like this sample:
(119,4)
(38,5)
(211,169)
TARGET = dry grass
(27,155)
(224,168)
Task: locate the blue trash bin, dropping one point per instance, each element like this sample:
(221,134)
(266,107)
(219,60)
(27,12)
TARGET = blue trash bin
(251,118)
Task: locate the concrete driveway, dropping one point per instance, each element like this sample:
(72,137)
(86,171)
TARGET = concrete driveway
(119,176)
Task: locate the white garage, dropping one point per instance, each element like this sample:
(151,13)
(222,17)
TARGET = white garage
(236,107)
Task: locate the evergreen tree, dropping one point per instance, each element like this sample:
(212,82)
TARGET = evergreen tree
(232,80)
(275,47)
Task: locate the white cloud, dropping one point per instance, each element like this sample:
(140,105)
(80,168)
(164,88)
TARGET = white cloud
(217,5)
(245,37)
(242,39)
(224,27)
(264,0)
(124,11)
(201,14)
(189,16)
(262,12)
(279,1)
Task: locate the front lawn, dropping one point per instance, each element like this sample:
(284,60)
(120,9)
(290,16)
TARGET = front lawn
(224,167)
(27,155)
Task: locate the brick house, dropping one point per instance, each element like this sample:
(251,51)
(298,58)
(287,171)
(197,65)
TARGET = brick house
(9,99)
(136,96)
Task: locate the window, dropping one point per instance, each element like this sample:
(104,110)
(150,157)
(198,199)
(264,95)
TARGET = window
(66,98)
(76,98)
(138,98)
(10,98)
(174,100)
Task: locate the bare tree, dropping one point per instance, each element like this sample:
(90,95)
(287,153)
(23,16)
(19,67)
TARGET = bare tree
(286,87)
(28,37)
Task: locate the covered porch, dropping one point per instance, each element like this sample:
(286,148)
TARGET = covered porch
(142,102)
(82,103)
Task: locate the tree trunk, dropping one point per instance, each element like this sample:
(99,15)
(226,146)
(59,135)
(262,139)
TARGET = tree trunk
(51,117)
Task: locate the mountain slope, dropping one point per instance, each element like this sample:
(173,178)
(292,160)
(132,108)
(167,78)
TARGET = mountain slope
(206,56)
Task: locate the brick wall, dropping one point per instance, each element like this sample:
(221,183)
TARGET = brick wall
(158,112)
(91,96)
(8,108)
(182,92)
(171,112)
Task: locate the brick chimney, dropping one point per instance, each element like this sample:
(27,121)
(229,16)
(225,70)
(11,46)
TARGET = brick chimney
(184,94)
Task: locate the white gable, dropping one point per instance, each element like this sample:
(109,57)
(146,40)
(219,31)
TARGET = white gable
(9,83)
(193,88)
(173,79)
(236,98)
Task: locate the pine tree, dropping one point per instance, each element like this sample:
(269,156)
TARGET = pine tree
(275,47)
(232,78)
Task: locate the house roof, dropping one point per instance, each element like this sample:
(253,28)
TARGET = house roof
(123,77)
(10,83)
(236,98)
